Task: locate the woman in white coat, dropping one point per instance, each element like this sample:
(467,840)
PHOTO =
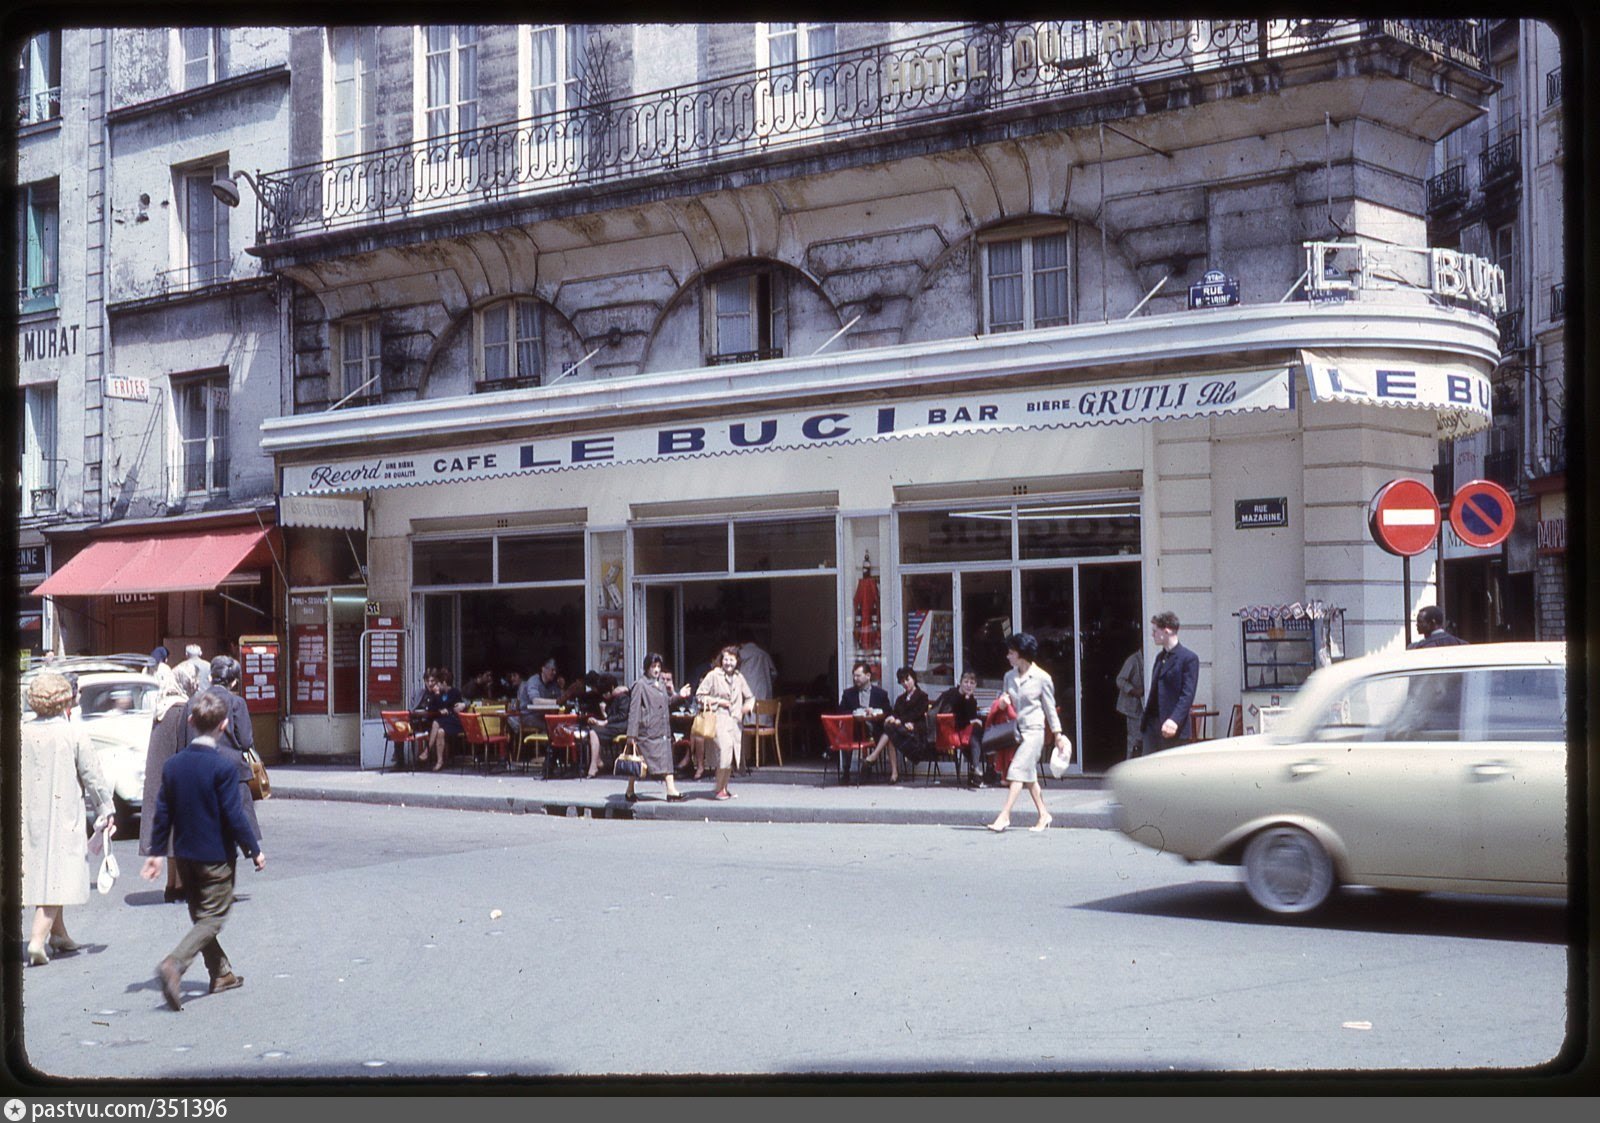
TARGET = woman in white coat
(725,693)
(1033,695)
(58,767)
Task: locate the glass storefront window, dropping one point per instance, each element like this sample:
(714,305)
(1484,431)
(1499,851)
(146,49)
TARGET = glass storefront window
(452,561)
(762,547)
(545,557)
(972,533)
(1077,530)
(985,624)
(929,606)
(699,548)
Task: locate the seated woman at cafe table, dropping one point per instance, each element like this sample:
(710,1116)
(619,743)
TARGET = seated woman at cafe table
(905,729)
(443,704)
(614,706)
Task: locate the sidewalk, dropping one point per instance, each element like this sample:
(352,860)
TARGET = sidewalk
(788,794)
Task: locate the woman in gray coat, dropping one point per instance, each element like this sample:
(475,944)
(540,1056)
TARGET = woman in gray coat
(650,727)
(58,767)
(178,687)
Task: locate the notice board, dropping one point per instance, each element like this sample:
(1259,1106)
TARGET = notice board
(309,643)
(386,680)
(260,657)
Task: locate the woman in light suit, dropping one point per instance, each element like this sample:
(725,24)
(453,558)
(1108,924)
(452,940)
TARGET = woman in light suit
(1033,694)
(725,693)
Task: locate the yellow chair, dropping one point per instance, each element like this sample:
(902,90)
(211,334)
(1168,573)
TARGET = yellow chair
(764,726)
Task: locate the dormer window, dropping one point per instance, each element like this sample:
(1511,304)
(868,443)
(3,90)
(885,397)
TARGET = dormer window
(1027,281)
(747,318)
(510,345)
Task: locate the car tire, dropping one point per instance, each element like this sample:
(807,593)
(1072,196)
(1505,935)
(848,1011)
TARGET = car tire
(1287,871)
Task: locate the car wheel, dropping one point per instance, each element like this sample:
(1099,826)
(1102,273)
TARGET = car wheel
(1287,871)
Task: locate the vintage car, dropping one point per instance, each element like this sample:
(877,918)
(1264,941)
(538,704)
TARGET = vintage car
(116,706)
(1432,770)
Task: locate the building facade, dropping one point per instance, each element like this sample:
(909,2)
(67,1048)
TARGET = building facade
(1497,190)
(149,340)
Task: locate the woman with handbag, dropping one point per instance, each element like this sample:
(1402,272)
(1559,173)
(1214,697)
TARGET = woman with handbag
(650,729)
(725,694)
(1032,692)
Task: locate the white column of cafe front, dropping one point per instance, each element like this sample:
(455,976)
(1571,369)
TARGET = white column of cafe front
(1325,457)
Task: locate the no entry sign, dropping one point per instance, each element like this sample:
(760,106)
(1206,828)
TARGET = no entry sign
(1404,517)
(1482,513)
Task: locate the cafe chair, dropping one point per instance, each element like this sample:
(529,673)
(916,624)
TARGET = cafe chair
(841,732)
(763,726)
(485,731)
(1200,722)
(948,741)
(398,732)
(562,739)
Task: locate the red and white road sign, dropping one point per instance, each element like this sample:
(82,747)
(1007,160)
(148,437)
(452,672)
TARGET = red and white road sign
(1482,513)
(1404,517)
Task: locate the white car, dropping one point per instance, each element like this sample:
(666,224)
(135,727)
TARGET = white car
(1436,770)
(116,707)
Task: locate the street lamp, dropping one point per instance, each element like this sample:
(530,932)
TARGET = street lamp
(226,189)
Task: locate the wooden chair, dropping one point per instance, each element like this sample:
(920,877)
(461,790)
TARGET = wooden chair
(1236,721)
(476,728)
(561,739)
(763,726)
(398,732)
(842,737)
(1200,722)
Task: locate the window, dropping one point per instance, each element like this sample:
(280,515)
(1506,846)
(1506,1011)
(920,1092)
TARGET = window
(1518,704)
(201,49)
(202,405)
(1026,282)
(39,449)
(1504,248)
(451,62)
(556,57)
(39,79)
(510,345)
(748,318)
(353,65)
(205,254)
(360,358)
(797,97)
(40,221)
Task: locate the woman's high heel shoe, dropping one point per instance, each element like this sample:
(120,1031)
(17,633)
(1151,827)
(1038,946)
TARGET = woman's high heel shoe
(64,944)
(37,956)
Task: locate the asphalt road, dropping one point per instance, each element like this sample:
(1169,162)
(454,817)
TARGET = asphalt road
(392,941)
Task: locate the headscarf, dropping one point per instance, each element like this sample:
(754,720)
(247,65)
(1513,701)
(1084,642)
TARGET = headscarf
(176,691)
(157,657)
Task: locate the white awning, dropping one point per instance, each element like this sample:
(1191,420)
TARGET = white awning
(1458,395)
(324,511)
(820,425)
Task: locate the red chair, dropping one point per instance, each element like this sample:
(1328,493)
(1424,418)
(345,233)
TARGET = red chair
(952,742)
(399,732)
(843,734)
(487,731)
(563,733)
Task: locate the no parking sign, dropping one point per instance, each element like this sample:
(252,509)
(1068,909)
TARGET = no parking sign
(1482,513)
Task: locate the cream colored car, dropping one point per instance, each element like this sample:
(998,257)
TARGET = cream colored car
(1436,770)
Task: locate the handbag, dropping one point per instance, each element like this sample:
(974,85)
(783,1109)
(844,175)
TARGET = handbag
(260,785)
(705,724)
(631,764)
(1061,755)
(108,873)
(1000,736)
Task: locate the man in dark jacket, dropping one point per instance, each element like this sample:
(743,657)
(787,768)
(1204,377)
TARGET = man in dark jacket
(236,735)
(1173,681)
(199,805)
(866,699)
(1430,622)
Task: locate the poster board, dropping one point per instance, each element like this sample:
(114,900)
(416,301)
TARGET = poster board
(385,670)
(261,660)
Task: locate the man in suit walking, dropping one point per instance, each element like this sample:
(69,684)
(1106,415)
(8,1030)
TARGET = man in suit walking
(199,804)
(1173,680)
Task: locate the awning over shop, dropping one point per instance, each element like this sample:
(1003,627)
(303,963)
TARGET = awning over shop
(173,563)
(1457,394)
(325,512)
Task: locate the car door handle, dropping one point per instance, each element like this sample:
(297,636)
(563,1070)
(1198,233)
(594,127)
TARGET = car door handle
(1305,768)
(1490,770)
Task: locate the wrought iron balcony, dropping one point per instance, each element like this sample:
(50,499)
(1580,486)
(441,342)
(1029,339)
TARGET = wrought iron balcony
(1500,467)
(1448,189)
(519,382)
(42,500)
(1509,325)
(969,70)
(38,298)
(39,105)
(194,277)
(1499,162)
(744,356)
(1558,301)
(1556,442)
(1552,88)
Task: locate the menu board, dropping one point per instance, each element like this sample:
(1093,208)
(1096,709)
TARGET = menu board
(310,650)
(385,661)
(259,656)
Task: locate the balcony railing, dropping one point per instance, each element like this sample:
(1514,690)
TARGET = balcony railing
(39,105)
(1500,467)
(728,357)
(1552,88)
(1558,301)
(38,298)
(193,277)
(42,500)
(1509,325)
(973,69)
(1556,442)
(1498,162)
(1448,189)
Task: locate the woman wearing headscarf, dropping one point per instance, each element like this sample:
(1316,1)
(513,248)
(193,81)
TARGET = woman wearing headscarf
(1032,692)
(650,726)
(158,667)
(725,693)
(58,768)
(179,687)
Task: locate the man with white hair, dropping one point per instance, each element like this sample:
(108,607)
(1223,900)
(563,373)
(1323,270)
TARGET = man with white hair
(197,664)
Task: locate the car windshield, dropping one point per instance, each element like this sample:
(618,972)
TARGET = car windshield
(109,699)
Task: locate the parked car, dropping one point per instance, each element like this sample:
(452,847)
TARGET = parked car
(116,707)
(1434,770)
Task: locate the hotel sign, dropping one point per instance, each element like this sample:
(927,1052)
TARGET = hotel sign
(1057,407)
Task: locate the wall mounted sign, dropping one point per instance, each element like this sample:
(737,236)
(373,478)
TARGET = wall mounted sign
(1215,290)
(1255,513)
(128,389)
(30,560)
(1338,270)
(1058,407)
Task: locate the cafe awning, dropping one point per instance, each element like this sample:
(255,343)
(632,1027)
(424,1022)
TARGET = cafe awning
(173,563)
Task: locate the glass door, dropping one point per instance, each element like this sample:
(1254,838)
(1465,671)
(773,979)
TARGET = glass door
(985,622)
(1111,630)
(1049,614)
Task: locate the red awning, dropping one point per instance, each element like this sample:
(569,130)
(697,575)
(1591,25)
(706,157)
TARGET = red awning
(173,563)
